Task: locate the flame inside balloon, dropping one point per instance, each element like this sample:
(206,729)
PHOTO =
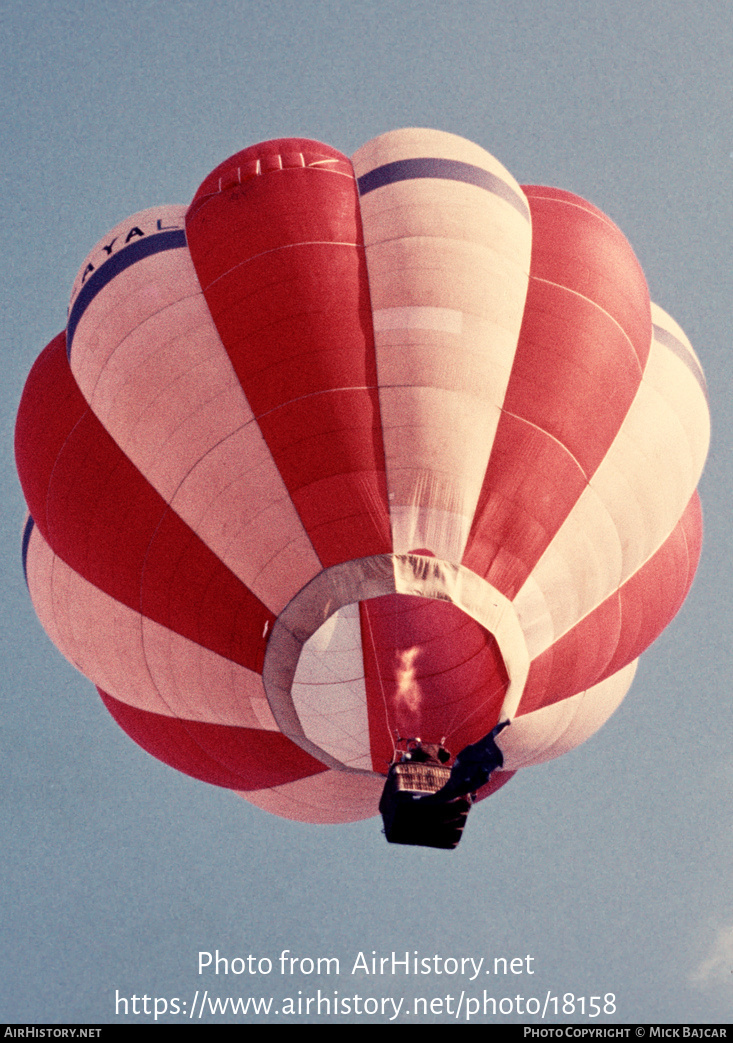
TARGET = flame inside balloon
(407,693)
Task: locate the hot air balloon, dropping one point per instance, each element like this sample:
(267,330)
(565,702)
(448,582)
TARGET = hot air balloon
(350,459)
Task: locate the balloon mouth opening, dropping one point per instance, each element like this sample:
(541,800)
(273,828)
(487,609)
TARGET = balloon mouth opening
(388,646)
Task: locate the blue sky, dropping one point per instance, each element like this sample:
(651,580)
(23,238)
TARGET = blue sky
(611,866)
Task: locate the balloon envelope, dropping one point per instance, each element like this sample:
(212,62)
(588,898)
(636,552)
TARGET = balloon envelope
(353,450)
